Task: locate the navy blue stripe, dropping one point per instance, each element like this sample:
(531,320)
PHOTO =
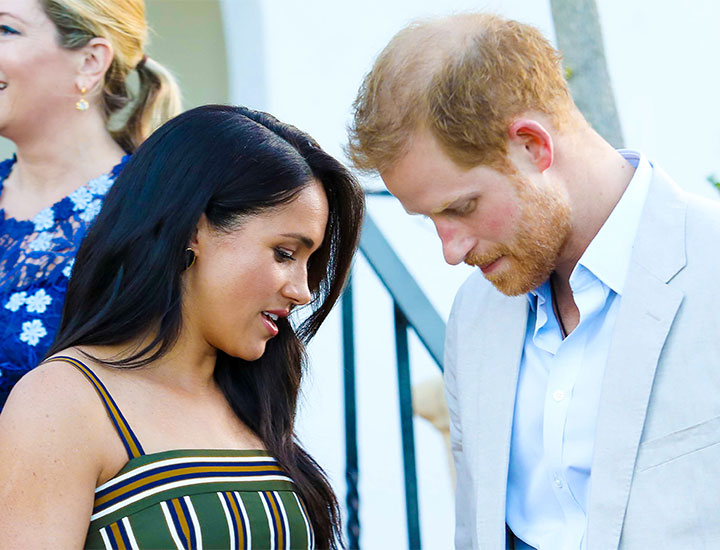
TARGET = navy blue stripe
(159,482)
(266,497)
(240,507)
(276,499)
(191,525)
(92,377)
(111,538)
(176,523)
(227,496)
(124,534)
(218,465)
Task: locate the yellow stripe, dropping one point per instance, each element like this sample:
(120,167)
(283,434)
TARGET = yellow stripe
(183,521)
(116,414)
(117,536)
(278,520)
(180,471)
(307,518)
(239,537)
(106,398)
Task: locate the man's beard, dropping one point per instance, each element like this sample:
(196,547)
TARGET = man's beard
(542,231)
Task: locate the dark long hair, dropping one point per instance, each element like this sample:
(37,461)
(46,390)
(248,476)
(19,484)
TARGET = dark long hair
(226,162)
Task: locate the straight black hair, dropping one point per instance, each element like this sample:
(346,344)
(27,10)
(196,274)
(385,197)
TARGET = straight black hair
(226,162)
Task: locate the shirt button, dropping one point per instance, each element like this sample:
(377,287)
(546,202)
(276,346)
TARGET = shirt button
(558,395)
(558,482)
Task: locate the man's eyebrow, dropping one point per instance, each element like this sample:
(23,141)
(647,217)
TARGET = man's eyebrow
(305,240)
(442,207)
(450,205)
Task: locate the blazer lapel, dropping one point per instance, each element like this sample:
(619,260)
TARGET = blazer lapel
(494,350)
(646,314)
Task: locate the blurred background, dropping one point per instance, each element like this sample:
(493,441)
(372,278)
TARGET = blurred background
(303,62)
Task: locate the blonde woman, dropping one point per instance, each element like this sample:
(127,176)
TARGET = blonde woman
(64,66)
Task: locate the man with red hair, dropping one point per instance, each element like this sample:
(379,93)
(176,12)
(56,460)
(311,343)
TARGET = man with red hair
(582,358)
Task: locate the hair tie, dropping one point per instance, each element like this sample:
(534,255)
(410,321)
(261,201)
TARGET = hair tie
(141,63)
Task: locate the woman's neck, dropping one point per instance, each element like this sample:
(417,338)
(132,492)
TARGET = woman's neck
(53,161)
(189,366)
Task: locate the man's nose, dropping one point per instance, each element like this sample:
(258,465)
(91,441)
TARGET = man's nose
(456,243)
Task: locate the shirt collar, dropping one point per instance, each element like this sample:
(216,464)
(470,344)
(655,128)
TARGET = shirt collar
(607,257)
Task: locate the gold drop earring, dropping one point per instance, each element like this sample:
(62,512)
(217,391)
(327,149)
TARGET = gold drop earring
(82,103)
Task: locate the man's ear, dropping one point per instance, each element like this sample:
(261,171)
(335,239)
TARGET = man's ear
(534,141)
(94,60)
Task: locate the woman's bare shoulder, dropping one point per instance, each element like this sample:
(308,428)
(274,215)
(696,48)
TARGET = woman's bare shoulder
(52,452)
(55,402)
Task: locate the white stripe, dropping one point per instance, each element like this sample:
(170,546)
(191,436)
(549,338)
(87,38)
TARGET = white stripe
(228,517)
(184,460)
(307,521)
(271,523)
(284,519)
(106,540)
(130,534)
(171,526)
(184,483)
(195,522)
(241,504)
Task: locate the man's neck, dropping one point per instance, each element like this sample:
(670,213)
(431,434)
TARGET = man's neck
(596,177)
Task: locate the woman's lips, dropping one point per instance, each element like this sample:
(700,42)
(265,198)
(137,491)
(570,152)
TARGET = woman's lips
(269,323)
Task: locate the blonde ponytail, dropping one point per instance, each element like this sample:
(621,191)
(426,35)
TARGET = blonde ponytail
(158,100)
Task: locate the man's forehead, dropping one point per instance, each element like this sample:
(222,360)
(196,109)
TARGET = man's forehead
(426,185)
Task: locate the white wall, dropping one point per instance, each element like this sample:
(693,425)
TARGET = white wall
(314,54)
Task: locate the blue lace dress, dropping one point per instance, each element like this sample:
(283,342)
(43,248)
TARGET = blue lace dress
(36,258)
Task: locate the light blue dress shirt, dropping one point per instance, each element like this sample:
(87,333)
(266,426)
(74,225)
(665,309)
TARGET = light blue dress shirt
(559,384)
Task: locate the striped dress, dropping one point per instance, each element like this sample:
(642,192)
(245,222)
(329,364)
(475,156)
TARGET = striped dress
(194,498)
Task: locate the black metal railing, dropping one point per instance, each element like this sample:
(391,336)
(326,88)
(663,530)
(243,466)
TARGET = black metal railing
(413,310)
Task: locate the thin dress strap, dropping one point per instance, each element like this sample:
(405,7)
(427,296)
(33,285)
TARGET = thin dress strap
(132,445)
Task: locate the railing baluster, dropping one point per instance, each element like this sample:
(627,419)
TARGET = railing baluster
(412,309)
(408,436)
(351,451)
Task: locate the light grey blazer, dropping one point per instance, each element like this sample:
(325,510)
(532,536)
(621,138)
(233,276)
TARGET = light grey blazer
(656,467)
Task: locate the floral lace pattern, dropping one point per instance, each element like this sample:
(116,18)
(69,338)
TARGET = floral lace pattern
(36,260)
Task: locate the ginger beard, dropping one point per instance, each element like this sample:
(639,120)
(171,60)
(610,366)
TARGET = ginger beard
(543,228)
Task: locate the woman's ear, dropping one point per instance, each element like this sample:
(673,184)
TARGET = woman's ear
(533,141)
(201,233)
(95,59)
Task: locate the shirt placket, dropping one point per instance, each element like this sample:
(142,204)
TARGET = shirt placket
(557,405)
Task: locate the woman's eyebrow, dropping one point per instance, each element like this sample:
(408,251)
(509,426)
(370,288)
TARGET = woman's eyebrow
(12,15)
(306,241)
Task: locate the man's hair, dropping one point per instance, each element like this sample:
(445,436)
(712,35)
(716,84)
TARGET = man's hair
(463,78)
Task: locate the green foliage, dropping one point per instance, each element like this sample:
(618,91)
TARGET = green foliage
(714,181)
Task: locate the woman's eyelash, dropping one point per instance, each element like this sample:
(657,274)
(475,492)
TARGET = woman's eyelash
(284,255)
(4,29)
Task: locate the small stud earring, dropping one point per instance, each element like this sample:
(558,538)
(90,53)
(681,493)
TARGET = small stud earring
(190,258)
(82,104)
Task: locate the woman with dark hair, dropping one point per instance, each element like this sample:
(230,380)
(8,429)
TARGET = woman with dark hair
(175,428)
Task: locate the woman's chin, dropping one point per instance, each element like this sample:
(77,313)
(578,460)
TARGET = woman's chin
(248,354)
